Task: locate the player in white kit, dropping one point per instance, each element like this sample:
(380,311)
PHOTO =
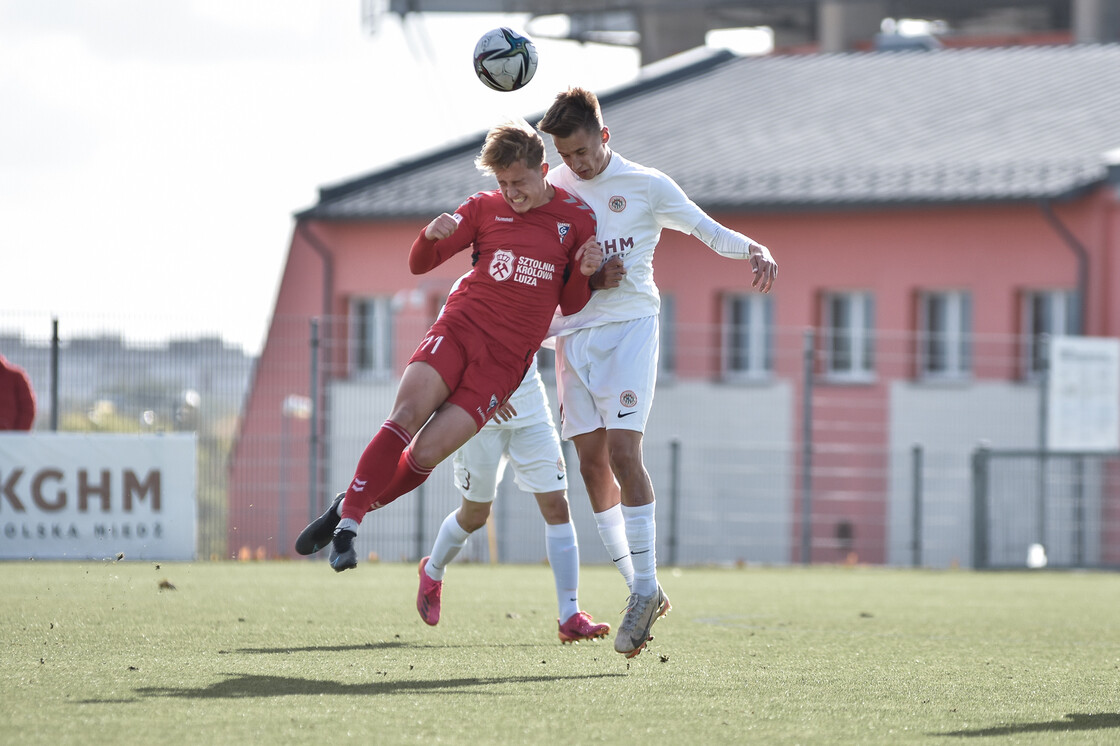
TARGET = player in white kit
(607,353)
(522,434)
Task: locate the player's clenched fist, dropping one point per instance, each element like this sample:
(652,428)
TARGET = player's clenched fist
(441,227)
(590,256)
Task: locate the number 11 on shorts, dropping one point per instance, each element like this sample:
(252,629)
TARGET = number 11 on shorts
(432,340)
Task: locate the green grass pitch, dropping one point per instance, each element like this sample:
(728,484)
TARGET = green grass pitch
(290,653)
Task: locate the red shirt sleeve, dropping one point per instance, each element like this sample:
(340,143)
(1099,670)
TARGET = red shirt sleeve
(576,291)
(426,254)
(577,288)
(422,255)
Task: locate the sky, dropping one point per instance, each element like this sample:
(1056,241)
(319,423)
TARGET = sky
(153,153)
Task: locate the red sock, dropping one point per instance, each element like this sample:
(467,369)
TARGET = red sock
(408,476)
(375,469)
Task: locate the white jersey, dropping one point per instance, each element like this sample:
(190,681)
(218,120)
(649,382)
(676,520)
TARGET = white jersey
(633,204)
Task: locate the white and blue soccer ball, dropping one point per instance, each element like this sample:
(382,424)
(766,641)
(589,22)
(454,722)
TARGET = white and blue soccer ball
(504,59)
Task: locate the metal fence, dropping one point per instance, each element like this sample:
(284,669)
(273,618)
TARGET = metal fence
(100,380)
(1044,508)
(791,466)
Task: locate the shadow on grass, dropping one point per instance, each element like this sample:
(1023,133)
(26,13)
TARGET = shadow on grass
(373,646)
(322,648)
(1072,723)
(245,686)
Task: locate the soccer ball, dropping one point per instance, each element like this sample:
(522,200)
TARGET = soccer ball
(504,59)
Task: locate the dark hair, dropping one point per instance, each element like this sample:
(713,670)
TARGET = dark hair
(573,110)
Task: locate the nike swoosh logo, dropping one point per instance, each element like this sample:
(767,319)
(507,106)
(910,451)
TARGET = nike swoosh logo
(559,476)
(626,414)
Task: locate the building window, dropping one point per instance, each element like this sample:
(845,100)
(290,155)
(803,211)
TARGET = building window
(849,323)
(1045,312)
(945,335)
(748,344)
(372,341)
(667,344)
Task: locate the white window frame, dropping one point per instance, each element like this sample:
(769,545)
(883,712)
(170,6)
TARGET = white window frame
(857,337)
(1059,314)
(372,336)
(944,339)
(748,337)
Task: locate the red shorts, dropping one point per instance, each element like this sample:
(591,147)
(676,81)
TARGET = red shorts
(480,374)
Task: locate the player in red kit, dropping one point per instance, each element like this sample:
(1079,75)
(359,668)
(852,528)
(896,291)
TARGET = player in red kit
(534,249)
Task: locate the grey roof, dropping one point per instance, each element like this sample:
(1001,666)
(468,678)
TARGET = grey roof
(872,128)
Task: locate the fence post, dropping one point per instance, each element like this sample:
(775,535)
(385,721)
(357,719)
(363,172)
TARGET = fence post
(1043,436)
(1079,511)
(807,449)
(916,507)
(674,498)
(313,507)
(54,374)
(420,510)
(980,507)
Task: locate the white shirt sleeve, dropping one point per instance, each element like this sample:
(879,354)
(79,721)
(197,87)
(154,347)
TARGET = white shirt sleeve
(722,240)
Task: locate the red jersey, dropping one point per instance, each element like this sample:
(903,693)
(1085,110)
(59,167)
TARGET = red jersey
(524,266)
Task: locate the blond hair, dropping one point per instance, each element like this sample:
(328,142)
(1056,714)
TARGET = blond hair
(509,143)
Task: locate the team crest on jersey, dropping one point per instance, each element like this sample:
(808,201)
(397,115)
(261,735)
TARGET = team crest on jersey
(562,230)
(493,402)
(617,203)
(501,265)
(628,399)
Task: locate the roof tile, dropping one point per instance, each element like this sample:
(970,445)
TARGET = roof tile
(951,125)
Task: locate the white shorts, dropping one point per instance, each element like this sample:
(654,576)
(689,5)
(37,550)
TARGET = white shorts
(533,450)
(606,376)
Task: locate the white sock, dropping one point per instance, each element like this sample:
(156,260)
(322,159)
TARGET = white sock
(641,533)
(562,549)
(347,524)
(450,539)
(338,508)
(612,530)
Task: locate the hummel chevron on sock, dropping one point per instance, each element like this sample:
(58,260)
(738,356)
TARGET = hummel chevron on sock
(375,469)
(408,476)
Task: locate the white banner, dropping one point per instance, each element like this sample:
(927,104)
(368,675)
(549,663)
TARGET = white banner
(1083,400)
(97,496)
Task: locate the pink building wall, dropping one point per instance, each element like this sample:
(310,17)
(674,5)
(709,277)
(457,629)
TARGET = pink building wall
(994,251)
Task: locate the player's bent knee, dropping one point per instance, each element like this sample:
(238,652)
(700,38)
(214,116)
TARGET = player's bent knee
(472,516)
(554,507)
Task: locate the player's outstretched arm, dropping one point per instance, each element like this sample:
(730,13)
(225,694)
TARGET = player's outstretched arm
(735,245)
(764,267)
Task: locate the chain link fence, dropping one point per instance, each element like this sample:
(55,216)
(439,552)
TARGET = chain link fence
(787,463)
